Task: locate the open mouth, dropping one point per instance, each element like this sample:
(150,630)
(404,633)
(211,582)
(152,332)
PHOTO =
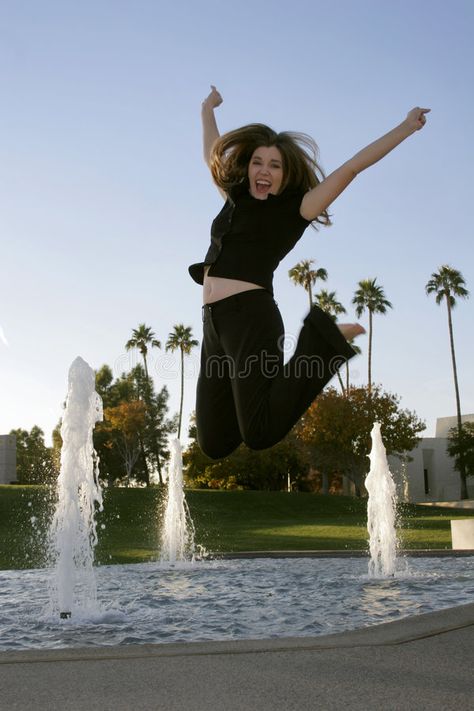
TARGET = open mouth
(263,186)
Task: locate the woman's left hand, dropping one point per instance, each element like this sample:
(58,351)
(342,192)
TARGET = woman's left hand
(416,118)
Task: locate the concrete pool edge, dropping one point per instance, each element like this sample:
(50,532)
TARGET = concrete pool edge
(397,632)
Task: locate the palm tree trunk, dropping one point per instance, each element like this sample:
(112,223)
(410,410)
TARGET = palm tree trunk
(370,354)
(341,382)
(462,472)
(347,376)
(145,463)
(158,463)
(154,444)
(182,394)
(308,289)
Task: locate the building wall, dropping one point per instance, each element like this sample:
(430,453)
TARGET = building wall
(444,424)
(430,476)
(7,459)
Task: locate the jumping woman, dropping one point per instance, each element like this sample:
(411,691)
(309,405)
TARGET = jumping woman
(273,189)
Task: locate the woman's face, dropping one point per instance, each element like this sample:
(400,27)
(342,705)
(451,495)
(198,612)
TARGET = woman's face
(265,172)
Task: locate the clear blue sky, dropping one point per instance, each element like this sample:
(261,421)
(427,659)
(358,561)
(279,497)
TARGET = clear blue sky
(105,199)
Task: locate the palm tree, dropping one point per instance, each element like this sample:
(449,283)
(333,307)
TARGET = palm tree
(302,275)
(143,338)
(327,302)
(181,337)
(447,283)
(370,296)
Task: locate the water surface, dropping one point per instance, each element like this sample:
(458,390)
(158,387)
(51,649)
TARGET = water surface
(228,600)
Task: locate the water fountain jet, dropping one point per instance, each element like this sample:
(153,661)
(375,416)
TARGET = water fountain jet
(381,510)
(72,534)
(177,540)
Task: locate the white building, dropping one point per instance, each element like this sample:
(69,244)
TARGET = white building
(7,459)
(431,476)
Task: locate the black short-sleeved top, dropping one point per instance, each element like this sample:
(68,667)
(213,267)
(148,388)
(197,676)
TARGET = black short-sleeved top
(250,237)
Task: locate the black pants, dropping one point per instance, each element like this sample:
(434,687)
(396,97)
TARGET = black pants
(245,393)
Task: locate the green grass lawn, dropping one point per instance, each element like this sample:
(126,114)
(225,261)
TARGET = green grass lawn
(225,521)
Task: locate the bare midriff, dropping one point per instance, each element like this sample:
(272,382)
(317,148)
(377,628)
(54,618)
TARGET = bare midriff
(216,288)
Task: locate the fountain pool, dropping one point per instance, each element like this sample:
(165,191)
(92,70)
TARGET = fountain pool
(156,603)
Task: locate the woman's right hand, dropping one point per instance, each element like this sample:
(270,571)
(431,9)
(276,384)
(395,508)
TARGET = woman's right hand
(213,100)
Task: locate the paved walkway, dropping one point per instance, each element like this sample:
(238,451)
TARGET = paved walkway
(422,662)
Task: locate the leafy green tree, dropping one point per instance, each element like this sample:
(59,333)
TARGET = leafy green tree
(56,448)
(181,338)
(153,437)
(125,388)
(35,463)
(337,430)
(369,296)
(103,382)
(303,275)
(194,459)
(448,284)
(461,448)
(157,430)
(125,421)
(152,434)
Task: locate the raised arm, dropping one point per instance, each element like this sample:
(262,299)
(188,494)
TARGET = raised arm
(320,197)
(209,126)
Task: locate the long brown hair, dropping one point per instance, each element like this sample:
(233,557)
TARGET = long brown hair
(231,154)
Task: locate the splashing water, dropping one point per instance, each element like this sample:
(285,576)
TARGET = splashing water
(177,541)
(72,534)
(381,510)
